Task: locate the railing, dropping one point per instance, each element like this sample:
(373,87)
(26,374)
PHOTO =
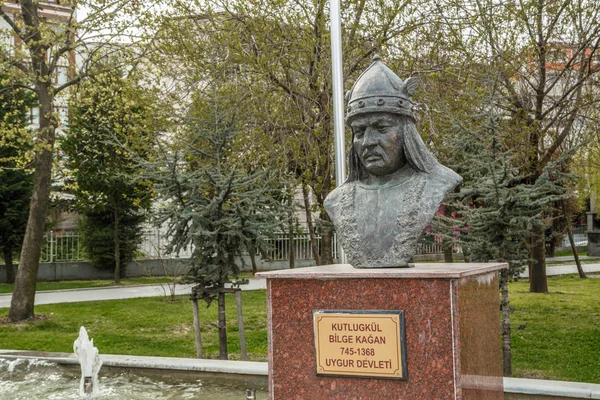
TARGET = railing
(65,246)
(430,244)
(153,246)
(579,236)
(303,250)
(62,246)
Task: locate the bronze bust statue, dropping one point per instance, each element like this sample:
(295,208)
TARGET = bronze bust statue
(395,185)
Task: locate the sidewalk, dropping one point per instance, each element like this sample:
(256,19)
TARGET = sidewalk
(114,293)
(555,270)
(130,292)
(570,259)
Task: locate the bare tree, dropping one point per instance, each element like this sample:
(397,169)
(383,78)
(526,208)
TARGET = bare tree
(538,61)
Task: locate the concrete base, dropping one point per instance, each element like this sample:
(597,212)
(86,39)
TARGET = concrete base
(240,371)
(593,243)
(256,372)
(452,324)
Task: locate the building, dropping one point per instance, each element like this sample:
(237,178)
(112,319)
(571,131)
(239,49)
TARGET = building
(54,10)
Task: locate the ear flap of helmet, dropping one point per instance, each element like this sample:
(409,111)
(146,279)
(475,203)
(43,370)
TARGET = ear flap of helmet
(410,85)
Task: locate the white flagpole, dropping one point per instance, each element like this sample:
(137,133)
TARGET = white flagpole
(338,102)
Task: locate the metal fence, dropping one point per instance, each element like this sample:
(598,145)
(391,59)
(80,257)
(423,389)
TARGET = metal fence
(153,246)
(579,236)
(279,248)
(64,246)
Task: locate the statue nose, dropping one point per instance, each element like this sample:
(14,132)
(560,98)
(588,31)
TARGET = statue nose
(369,137)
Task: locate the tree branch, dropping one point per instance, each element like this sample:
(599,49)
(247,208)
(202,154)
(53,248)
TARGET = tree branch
(11,23)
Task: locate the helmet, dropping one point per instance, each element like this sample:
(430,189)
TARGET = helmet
(379,89)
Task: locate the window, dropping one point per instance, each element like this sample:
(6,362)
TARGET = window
(34,116)
(62,75)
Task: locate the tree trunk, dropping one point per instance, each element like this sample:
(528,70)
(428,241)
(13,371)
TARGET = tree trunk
(117,242)
(326,240)
(538,282)
(572,242)
(466,253)
(8,262)
(574,248)
(311,228)
(252,251)
(551,247)
(505,307)
(222,328)
(22,303)
(292,242)
(447,248)
(552,240)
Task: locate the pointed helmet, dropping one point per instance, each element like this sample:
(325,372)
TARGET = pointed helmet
(379,89)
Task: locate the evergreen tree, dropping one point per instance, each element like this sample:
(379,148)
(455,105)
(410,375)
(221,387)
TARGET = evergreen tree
(16,181)
(496,213)
(112,125)
(215,205)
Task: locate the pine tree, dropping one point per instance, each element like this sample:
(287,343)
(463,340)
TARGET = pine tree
(213,203)
(497,214)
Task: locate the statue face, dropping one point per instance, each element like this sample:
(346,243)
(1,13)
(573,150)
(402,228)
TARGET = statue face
(378,142)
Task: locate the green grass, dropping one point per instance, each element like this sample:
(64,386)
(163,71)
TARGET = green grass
(570,252)
(560,331)
(145,327)
(555,335)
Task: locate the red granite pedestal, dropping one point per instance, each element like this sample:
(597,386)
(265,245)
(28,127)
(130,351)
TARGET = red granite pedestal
(452,330)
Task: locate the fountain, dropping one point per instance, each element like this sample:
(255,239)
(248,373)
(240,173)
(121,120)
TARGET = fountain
(90,362)
(32,378)
(32,375)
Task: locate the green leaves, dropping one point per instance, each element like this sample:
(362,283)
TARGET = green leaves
(111,129)
(16,181)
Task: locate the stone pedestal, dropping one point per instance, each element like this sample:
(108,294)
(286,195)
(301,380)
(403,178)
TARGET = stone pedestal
(451,321)
(593,243)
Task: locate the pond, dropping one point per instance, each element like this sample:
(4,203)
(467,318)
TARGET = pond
(27,379)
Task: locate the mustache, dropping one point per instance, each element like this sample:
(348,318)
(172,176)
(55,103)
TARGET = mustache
(368,153)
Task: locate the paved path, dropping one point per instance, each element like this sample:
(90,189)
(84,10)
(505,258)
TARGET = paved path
(552,270)
(113,293)
(130,292)
(570,259)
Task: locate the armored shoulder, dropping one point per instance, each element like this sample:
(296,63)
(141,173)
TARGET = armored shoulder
(332,202)
(442,181)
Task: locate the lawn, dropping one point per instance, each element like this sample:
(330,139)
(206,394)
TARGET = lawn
(146,327)
(555,335)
